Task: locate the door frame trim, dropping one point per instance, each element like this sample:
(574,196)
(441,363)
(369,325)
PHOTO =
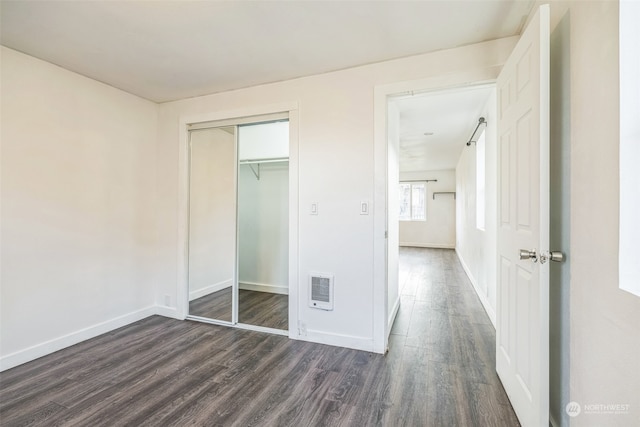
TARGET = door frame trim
(182,276)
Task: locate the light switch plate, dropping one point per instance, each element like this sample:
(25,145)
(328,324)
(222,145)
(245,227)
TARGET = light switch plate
(314,208)
(364,207)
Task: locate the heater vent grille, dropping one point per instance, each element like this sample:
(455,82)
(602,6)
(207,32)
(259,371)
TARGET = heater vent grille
(321,291)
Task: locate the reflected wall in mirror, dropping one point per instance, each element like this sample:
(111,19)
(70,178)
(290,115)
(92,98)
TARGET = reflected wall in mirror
(263,224)
(212,222)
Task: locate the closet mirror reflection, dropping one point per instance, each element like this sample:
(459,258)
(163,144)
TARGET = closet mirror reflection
(212,222)
(239,223)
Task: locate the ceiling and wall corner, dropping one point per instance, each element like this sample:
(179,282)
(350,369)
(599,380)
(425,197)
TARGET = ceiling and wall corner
(170,50)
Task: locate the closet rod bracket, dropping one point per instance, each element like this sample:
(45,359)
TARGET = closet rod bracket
(255,172)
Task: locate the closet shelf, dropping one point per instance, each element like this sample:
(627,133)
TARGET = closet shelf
(266,160)
(444,192)
(256,172)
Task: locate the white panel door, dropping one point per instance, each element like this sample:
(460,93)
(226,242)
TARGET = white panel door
(522,333)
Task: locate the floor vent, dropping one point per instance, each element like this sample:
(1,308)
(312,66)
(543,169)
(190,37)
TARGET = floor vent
(321,291)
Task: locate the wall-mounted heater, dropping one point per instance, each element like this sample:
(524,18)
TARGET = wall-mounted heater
(321,291)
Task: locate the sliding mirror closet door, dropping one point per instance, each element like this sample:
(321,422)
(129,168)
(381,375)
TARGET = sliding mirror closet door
(263,224)
(212,222)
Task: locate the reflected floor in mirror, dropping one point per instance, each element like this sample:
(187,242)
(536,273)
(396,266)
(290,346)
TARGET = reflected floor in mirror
(213,306)
(255,308)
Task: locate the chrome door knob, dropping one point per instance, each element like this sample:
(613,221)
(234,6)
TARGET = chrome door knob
(554,256)
(543,257)
(529,254)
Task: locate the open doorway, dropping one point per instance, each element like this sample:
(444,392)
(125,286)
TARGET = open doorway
(442,243)
(442,200)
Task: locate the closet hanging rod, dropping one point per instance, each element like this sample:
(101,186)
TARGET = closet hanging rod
(418,180)
(481,120)
(269,160)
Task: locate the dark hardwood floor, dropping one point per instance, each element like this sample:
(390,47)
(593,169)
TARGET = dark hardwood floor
(162,372)
(254,308)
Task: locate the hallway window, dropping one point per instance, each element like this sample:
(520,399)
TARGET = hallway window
(480,182)
(413,201)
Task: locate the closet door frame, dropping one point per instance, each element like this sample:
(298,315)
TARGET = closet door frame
(234,118)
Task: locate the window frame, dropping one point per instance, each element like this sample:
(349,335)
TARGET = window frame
(412,184)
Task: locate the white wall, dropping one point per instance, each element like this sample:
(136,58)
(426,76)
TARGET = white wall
(439,230)
(603,340)
(560,210)
(264,228)
(604,334)
(336,170)
(212,211)
(477,248)
(78,193)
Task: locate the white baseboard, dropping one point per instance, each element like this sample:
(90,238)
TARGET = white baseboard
(199,293)
(394,313)
(337,340)
(429,245)
(262,287)
(171,312)
(483,298)
(257,328)
(34,352)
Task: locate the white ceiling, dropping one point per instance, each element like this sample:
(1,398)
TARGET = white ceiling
(450,116)
(168,50)
(175,49)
